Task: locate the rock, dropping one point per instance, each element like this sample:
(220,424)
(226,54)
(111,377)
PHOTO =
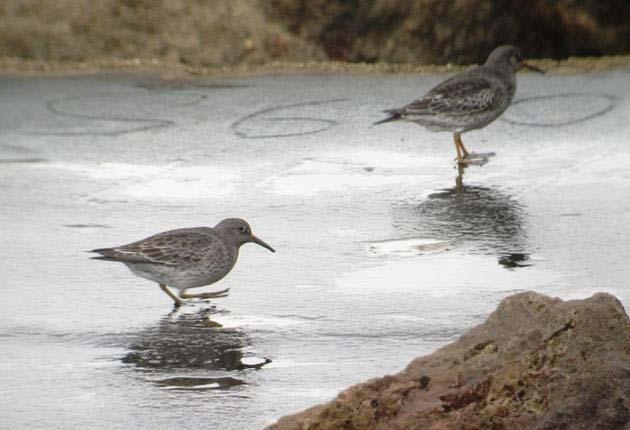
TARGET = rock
(536,363)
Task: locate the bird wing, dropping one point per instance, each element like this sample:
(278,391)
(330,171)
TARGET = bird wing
(461,95)
(169,248)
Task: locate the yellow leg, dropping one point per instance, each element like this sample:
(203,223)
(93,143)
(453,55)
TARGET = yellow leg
(465,158)
(177,301)
(458,141)
(222,293)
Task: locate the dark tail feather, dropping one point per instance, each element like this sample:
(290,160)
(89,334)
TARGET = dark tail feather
(102,251)
(394,114)
(103,256)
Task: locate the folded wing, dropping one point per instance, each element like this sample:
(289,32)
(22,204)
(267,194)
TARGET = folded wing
(455,97)
(170,248)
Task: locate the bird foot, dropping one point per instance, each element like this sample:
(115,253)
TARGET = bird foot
(471,161)
(478,155)
(205,296)
(475,159)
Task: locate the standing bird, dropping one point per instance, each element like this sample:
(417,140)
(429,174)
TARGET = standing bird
(469,100)
(187,257)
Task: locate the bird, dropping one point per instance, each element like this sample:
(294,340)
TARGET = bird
(187,257)
(467,101)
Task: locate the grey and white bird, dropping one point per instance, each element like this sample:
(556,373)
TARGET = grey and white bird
(469,100)
(187,257)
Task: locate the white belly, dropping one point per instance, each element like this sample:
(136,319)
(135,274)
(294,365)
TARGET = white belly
(176,277)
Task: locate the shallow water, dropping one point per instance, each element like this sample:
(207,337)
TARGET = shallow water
(384,253)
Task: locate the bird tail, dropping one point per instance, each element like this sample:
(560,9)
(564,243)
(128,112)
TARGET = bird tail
(394,114)
(104,254)
(104,258)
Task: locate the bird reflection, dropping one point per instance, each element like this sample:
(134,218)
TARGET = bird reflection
(189,340)
(485,218)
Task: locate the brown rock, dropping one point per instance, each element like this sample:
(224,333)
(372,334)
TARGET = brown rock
(536,363)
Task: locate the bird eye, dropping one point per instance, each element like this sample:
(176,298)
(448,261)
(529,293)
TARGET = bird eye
(242,229)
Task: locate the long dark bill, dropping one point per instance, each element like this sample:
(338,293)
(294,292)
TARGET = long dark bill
(261,243)
(534,68)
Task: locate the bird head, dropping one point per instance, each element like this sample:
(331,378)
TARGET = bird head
(509,57)
(237,231)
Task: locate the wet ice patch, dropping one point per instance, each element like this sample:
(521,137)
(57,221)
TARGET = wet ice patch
(112,114)
(556,110)
(596,170)
(378,159)
(442,275)
(339,172)
(309,286)
(259,322)
(186,183)
(407,247)
(107,170)
(165,181)
(315,184)
(88,227)
(405,318)
(288,363)
(345,232)
(286,120)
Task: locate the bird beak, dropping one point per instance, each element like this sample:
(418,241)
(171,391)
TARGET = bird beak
(534,68)
(261,243)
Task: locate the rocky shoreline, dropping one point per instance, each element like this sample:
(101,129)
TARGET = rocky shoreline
(255,32)
(174,70)
(536,363)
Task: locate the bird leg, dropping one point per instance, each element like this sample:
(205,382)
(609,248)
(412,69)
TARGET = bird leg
(460,159)
(177,301)
(465,158)
(212,295)
(458,142)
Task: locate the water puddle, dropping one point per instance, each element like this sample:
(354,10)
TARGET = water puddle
(484,220)
(186,341)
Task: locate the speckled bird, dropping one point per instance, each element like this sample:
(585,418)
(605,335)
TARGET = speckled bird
(469,100)
(187,257)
